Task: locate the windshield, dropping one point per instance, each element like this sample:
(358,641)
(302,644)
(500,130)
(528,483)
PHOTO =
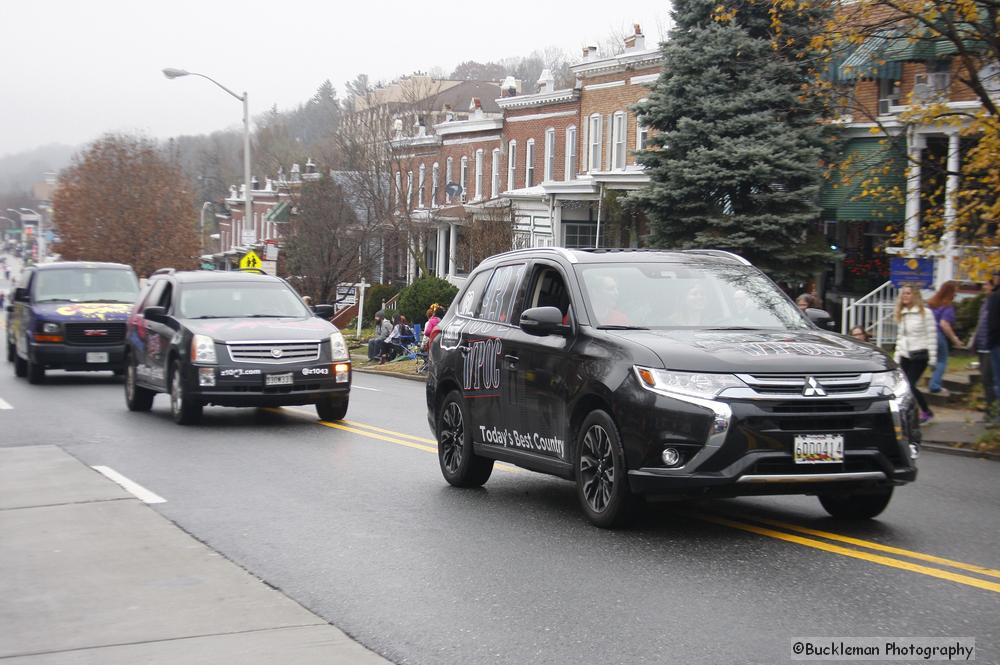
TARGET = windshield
(237,300)
(668,295)
(86,285)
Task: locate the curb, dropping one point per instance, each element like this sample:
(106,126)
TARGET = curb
(946,449)
(408,377)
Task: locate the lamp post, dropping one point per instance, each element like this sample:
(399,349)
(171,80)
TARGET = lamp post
(172,73)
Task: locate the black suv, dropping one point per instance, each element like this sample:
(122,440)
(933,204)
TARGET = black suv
(232,339)
(662,373)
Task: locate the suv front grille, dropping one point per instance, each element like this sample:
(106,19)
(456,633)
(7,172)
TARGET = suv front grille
(795,384)
(273,353)
(95,334)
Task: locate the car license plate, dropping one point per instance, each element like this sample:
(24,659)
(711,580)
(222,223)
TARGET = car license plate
(278,379)
(97,357)
(819,449)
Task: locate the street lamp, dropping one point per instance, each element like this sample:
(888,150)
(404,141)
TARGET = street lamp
(172,73)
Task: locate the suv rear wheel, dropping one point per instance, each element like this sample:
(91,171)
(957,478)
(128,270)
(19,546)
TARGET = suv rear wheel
(332,407)
(601,482)
(460,466)
(137,398)
(185,411)
(856,506)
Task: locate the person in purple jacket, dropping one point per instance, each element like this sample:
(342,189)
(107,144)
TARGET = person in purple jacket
(941,304)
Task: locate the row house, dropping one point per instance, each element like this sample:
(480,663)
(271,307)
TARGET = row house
(881,80)
(553,158)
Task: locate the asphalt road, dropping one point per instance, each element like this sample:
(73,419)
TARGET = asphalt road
(357,524)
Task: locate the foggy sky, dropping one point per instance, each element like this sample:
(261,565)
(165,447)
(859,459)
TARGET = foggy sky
(74,69)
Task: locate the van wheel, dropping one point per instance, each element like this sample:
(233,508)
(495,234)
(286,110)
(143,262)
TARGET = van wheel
(20,366)
(860,506)
(332,407)
(137,398)
(11,352)
(184,410)
(460,466)
(36,373)
(601,480)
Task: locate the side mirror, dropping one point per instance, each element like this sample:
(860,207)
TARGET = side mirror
(821,318)
(9,308)
(323,311)
(543,321)
(20,294)
(155,313)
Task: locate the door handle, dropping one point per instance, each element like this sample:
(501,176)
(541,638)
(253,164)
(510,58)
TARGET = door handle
(511,360)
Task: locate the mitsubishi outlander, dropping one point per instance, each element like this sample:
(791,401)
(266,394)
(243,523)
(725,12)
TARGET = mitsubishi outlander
(663,374)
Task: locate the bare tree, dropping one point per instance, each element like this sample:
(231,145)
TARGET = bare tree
(489,232)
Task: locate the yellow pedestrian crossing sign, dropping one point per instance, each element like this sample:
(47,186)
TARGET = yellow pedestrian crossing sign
(250,260)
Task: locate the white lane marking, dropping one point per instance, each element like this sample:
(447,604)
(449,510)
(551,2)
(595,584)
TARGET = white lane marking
(130,486)
(374,390)
(4,405)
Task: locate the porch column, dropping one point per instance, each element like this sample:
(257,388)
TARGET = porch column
(452,243)
(947,261)
(914,150)
(442,259)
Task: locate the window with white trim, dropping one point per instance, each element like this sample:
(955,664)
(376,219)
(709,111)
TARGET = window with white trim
(529,163)
(570,172)
(550,154)
(448,172)
(479,174)
(618,130)
(409,189)
(421,179)
(641,132)
(435,184)
(594,152)
(464,177)
(495,174)
(511,163)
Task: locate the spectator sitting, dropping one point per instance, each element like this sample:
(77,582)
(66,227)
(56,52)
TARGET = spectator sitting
(383,329)
(401,335)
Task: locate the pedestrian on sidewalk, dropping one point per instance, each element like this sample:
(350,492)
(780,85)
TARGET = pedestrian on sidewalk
(941,304)
(993,334)
(980,344)
(916,344)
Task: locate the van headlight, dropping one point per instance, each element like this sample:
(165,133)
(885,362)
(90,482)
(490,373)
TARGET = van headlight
(893,383)
(338,347)
(693,384)
(203,350)
(51,328)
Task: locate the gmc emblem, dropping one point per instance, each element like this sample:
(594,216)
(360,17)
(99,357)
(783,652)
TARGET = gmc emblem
(95,332)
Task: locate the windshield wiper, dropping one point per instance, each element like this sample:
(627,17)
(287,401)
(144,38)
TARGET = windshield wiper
(270,316)
(621,328)
(209,316)
(57,300)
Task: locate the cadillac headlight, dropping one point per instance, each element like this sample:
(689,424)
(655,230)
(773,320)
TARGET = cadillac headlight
(203,350)
(893,383)
(338,347)
(693,384)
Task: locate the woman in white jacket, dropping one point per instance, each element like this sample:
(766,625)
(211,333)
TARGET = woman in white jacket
(916,342)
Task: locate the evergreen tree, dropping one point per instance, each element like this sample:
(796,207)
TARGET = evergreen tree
(737,156)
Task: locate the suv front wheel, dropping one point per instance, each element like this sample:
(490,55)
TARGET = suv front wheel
(460,466)
(331,407)
(185,411)
(601,480)
(861,506)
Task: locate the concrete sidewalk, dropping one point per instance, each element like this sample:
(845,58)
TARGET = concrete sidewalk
(89,574)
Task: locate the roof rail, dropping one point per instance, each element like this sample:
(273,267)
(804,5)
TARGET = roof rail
(255,270)
(720,253)
(561,251)
(164,271)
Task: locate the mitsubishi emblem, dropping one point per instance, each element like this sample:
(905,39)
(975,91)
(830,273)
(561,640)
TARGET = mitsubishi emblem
(813,388)
(276,353)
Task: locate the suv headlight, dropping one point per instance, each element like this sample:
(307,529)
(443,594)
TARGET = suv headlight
(51,328)
(338,347)
(892,383)
(694,384)
(203,349)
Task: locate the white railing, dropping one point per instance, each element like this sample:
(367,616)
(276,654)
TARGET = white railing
(874,313)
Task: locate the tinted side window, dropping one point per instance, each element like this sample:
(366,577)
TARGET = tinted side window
(473,294)
(165,297)
(498,302)
(155,291)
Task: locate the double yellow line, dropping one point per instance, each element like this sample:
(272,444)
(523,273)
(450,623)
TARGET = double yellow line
(826,541)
